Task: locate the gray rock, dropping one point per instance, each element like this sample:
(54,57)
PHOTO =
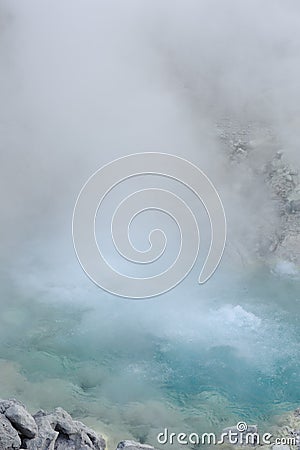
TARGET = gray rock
(58,431)
(83,441)
(46,436)
(133,445)
(9,438)
(64,443)
(294,206)
(62,422)
(97,440)
(44,431)
(22,420)
(5,404)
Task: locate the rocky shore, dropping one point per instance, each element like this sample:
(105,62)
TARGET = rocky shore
(19,430)
(259,157)
(49,431)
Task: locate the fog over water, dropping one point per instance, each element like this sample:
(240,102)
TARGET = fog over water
(82,83)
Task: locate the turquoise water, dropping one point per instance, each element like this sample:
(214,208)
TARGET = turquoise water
(193,360)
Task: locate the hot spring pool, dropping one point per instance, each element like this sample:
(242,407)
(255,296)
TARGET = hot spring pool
(131,368)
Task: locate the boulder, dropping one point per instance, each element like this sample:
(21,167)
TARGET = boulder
(58,431)
(45,431)
(9,437)
(46,435)
(294,206)
(5,404)
(22,421)
(133,445)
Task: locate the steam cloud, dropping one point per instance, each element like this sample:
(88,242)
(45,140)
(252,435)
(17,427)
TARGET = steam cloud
(83,82)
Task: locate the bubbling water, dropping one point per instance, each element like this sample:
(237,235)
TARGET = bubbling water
(130,369)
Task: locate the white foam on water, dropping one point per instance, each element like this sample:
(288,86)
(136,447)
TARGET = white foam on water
(286,269)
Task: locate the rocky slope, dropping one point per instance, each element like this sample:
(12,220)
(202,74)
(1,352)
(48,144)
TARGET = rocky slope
(258,157)
(49,431)
(19,430)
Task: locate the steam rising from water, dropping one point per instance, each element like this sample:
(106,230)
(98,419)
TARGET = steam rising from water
(83,83)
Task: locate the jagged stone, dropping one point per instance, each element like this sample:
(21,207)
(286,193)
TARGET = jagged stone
(5,404)
(22,420)
(58,431)
(46,436)
(9,437)
(133,445)
(62,422)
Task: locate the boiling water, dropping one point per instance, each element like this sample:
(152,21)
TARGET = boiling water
(196,359)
